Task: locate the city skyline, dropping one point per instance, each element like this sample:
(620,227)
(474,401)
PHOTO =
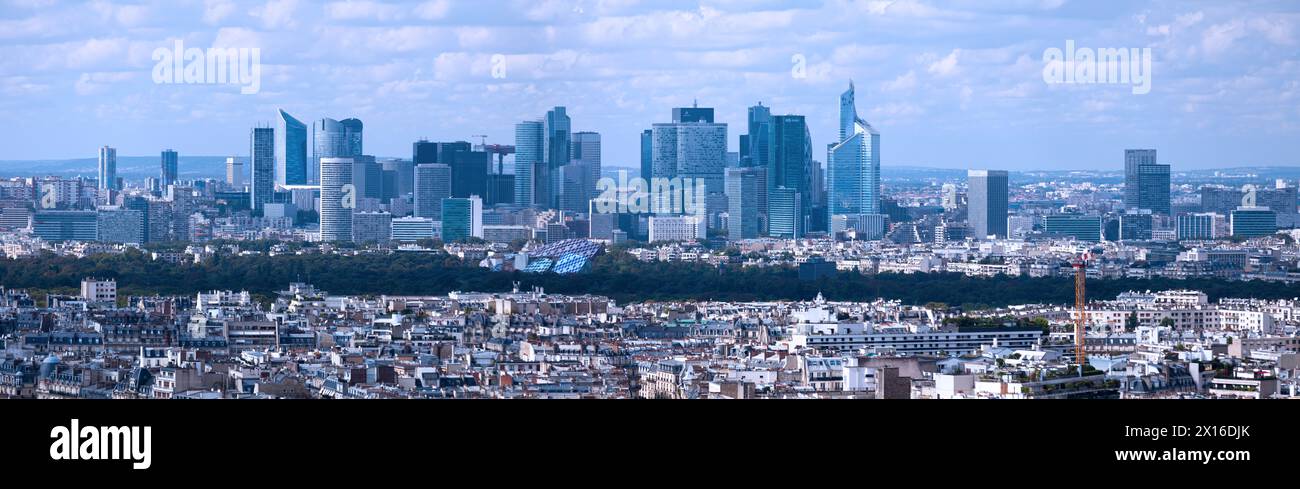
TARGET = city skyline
(925,71)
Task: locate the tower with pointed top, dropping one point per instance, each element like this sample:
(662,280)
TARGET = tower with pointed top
(853,163)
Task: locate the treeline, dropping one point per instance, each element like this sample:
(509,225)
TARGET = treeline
(614,274)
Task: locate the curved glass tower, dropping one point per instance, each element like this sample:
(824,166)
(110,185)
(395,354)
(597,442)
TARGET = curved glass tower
(335,205)
(853,164)
(290,150)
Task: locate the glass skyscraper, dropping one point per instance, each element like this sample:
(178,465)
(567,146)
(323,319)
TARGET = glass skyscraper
(335,205)
(169,167)
(987,203)
(462,219)
(853,164)
(432,184)
(647,154)
(290,150)
(784,213)
(1146,183)
(692,146)
(756,145)
(746,202)
(262,154)
(528,160)
(108,168)
(790,160)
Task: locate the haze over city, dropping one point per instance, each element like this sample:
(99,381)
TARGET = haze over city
(953,84)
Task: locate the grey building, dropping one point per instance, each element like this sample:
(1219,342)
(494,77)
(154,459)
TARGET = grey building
(262,154)
(987,199)
(1146,183)
(169,167)
(336,205)
(432,184)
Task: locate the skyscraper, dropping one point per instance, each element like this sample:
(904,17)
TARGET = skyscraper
(756,145)
(432,184)
(368,177)
(1146,183)
(336,204)
(746,202)
(352,129)
(647,155)
(692,146)
(556,138)
(108,168)
(262,154)
(528,160)
(789,159)
(987,203)
(169,167)
(853,164)
(462,219)
(290,151)
(584,153)
(234,172)
(784,211)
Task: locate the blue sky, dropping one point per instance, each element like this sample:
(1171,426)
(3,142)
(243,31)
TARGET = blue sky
(948,83)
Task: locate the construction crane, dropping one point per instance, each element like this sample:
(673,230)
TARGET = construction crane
(1080,303)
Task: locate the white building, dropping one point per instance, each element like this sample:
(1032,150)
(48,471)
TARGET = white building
(99,291)
(677,228)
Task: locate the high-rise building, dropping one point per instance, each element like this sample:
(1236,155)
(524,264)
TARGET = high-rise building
(372,227)
(352,140)
(756,144)
(1136,225)
(336,204)
(108,168)
(647,155)
(262,154)
(585,151)
(784,212)
(853,164)
(789,160)
(1250,222)
(1196,226)
(746,202)
(1146,183)
(1281,200)
(528,162)
(432,184)
(368,177)
(987,203)
(556,138)
(692,146)
(290,151)
(120,225)
(462,218)
(169,167)
(234,172)
(336,139)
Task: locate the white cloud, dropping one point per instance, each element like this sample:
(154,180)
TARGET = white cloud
(946,66)
(215,11)
(433,10)
(903,83)
(276,14)
(362,10)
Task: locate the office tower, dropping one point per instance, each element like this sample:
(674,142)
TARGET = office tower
(585,150)
(789,159)
(756,144)
(746,202)
(500,189)
(853,164)
(692,146)
(987,203)
(432,184)
(602,224)
(1249,222)
(424,151)
(1146,183)
(108,168)
(1196,226)
(693,114)
(66,225)
(784,213)
(462,218)
(352,129)
(372,227)
(575,187)
(140,205)
(367,176)
(1080,227)
(556,138)
(412,229)
(169,167)
(528,161)
(290,151)
(262,155)
(234,172)
(1136,225)
(403,176)
(469,168)
(335,204)
(120,225)
(647,155)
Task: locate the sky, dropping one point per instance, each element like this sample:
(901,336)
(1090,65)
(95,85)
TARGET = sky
(947,83)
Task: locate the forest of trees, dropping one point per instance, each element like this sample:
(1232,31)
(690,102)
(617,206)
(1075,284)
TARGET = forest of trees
(615,274)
